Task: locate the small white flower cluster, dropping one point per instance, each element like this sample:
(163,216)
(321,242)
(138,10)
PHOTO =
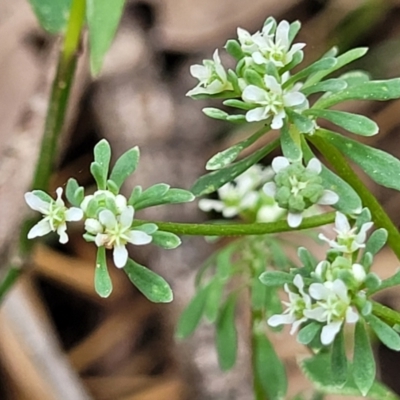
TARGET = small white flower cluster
(108,220)
(244,197)
(296,188)
(265,55)
(329,299)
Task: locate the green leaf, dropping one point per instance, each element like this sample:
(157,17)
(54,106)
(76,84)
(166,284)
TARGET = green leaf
(52,14)
(215,113)
(355,78)
(387,335)
(253,78)
(371,90)
(152,285)
(322,64)
(236,119)
(226,335)
(380,166)
(98,174)
(349,201)
(339,360)
(191,315)
(135,195)
(376,241)
(290,148)
(103,19)
(269,369)
(302,123)
(342,60)
(112,186)
(308,333)
(241,105)
(166,240)
(125,166)
(354,123)
(102,280)
(363,359)
(172,196)
(329,85)
(155,192)
(214,180)
(275,278)
(148,228)
(233,48)
(74,192)
(388,283)
(317,371)
(225,157)
(307,259)
(102,156)
(214,297)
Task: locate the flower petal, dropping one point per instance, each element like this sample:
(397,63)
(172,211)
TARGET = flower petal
(257,114)
(62,232)
(318,291)
(340,289)
(281,319)
(282,34)
(329,332)
(126,217)
(280,163)
(59,201)
(328,198)
(120,256)
(341,223)
(230,211)
(294,219)
(314,165)
(254,94)
(107,218)
(73,214)
(351,316)
(317,313)
(42,228)
(209,204)
(199,72)
(292,99)
(139,237)
(272,84)
(277,121)
(36,203)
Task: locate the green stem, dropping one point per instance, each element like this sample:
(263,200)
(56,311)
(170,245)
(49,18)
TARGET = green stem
(343,169)
(388,315)
(238,229)
(54,123)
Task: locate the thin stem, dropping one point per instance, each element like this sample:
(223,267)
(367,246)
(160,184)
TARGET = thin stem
(343,169)
(54,123)
(238,229)
(388,315)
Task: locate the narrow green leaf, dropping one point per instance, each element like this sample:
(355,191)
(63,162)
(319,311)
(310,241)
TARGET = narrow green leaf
(102,156)
(135,195)
(172,196)
(308,333)
(225,157)
(363,359)
(307,259)
(354,123)
(215,113)
(339,360)
(72,187)
(191,315)
(349,201)
(79,195)
(214,297)
(303,124)
(388,283)
(148,228)
(382,167)
(241,105)
(125,166)
(342,60)
(233,48)
(226,335)
(269,369)
(291,150)
(102,280)
(258,294)
(152,285)
(371,90)
(355,78)
(294,30)
(166,240)
(98,174)
(329,85)
(237,119)
(275,278)
(52,14)
(387,335)
(156,192)
(317,371)
(322,64)
(112,186)
(214,180)
(103,19)
(253,78)
(376,241)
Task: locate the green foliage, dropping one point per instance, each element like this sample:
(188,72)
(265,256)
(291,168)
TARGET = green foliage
(152,285)
(387,335)
(339,360)
(166,240)
(52,14)
(102,280)
(74,192)
(307,334)
(275,278)
(102,18)
(125,166)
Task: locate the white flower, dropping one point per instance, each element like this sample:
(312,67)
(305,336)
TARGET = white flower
(55,215)
(119,200)
(248,41)
(347,240)
(296,184)
(275,48)
(270,213)
(239,195)
(333,307)
(271,102)
(212,77)
(296,307)
(117,232)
